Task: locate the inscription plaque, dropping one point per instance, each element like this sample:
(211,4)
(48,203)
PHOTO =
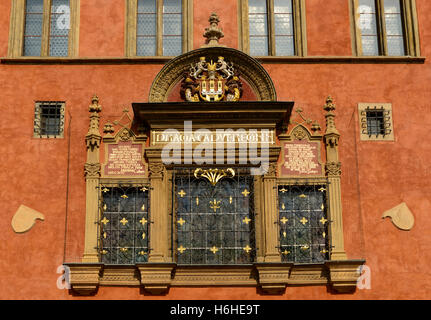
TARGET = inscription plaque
(125,159)
(301,158)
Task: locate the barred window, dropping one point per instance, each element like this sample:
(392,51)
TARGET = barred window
(303,223)
(49,119)
(376,121)
(274,27)
(385,27)
(56,19)
(214,219)
(124,221)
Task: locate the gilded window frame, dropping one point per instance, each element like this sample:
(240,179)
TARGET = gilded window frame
(17,29)
(410,28)
(299,23)
(131,27)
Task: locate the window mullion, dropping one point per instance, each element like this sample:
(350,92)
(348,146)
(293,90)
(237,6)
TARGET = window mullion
(45,28)
(271,27)
(381,27)
(159,28)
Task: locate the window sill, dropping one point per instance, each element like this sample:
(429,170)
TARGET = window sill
(271,278)
(86,60)
(165,59)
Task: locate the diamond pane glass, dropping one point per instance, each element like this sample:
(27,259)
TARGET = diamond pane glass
(58,46)
(370,46)
(303,224)
(124,224)
(396,45)
(283,24)
(33,25)
(258,46)
(257,6)
(284,46)
(283,6)
(34,6)
(258,24)
(172,6)
(146,24)
(172,24)
(146,6)
(146,46)
(32,46)
(394,25)
(392,6)
(367,6)
(368,24)
(214,223)
(172,46)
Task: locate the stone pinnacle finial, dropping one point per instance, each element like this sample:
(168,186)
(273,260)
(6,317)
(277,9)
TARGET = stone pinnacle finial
(213,33)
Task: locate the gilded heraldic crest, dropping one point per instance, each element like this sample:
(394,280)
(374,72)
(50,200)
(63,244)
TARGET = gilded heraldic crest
(211,81)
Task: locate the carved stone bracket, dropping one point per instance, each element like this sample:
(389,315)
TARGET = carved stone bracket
(84,278)
(156,278)
(344,274)
(273,277)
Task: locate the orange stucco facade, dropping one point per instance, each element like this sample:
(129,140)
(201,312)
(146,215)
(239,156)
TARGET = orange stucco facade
(376,175)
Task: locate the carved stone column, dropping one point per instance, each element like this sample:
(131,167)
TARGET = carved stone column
(333,172)
(92,174)
(270,211)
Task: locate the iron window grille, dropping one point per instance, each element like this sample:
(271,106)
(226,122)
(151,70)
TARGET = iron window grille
(49,119)
(124,223)
(376,121)
(214,223)
(303,223)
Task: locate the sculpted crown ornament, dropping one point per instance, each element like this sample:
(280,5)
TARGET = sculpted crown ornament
(211,81)
(213,33)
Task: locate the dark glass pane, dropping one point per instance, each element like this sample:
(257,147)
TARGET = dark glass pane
(218,226)
(303,223)
(124,224)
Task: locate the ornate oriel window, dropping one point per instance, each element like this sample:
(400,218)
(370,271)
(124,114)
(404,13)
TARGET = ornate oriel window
(124,220)
(375,121)
(44,28)
(385,28)
(303,223)
(214,216)
(49,119)
(158,27)
(273,27)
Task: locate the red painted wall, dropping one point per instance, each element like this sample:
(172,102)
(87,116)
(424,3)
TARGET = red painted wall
(376,175)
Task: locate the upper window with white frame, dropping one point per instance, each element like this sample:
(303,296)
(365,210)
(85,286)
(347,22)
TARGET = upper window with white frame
(158,27)
(273,27)
(43,28)
(385,28)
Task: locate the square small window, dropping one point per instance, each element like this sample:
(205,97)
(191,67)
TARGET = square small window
(376,121)
(49,119)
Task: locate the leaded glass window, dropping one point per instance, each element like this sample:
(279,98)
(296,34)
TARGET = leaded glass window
(381,27)
(271,32)
(214,221)
(303,223)
(124,224)
(57,19)
(147,33)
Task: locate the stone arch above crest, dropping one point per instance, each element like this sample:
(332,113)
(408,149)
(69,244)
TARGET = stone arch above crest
(250,69)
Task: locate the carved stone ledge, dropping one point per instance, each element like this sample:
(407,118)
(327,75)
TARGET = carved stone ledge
(84,278)
(273,277)
(344,274)
(156,278)
(308,275)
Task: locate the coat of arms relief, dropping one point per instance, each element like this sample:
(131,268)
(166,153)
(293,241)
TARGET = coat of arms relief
(211,82)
